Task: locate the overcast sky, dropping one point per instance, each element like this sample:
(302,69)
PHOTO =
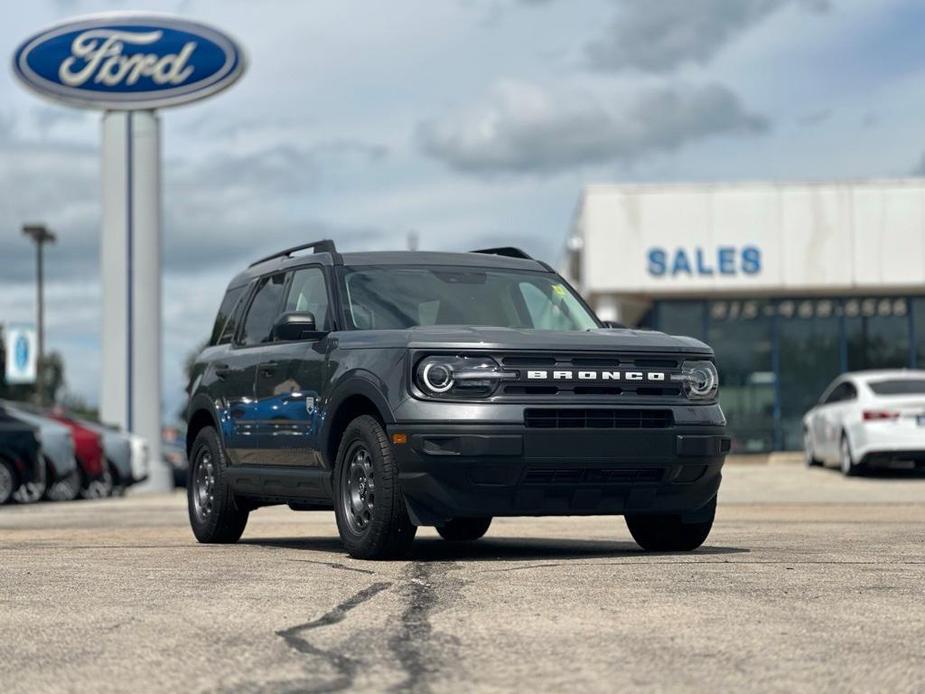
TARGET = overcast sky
(471,122)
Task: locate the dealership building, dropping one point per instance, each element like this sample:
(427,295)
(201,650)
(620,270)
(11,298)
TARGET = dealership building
(790,283)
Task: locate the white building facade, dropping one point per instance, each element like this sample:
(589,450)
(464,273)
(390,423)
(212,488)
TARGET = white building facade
(791,283)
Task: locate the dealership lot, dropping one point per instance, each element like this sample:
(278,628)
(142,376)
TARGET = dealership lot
(809,582)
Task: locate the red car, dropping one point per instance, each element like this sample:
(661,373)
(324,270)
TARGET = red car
(88,446)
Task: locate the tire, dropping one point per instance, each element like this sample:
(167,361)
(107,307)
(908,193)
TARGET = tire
(8,482)
(809,455)
(65,489)
(31,492)
(214,514)
(464,529)
(668,532)
(98,487)
(372,518)
(846,463)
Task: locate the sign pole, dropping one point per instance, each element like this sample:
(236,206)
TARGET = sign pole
(127,65)
(40,310)
(130,253)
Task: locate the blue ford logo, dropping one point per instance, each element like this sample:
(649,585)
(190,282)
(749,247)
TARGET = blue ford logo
(129,61)
(21,353)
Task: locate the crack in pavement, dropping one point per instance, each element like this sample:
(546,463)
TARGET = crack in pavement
(345,666)
(413,644)
(335,565)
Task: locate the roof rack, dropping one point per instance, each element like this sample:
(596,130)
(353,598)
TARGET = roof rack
(323,246)
(506,251)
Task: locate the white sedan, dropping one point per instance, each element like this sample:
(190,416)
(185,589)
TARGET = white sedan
(868,419)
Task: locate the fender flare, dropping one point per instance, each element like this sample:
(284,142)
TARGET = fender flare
(357,383)
(203,403)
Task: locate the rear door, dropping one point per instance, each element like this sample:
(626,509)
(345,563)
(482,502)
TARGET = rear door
(290,377)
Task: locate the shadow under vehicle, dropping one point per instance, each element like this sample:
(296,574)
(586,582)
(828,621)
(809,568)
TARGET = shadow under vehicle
(20,456)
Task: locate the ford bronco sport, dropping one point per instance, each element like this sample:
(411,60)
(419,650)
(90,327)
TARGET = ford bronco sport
(405,389)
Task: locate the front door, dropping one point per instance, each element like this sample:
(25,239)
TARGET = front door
(290,377)
(240,364)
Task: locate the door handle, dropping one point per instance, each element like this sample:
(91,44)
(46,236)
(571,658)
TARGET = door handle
(222,370)
(268,368)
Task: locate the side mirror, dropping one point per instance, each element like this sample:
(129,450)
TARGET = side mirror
(297,325)
(612,324)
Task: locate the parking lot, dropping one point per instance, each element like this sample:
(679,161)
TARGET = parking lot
(809,582)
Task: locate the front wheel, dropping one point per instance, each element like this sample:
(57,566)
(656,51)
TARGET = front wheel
(7,481)
(464,529)
(214,514)
(809,453)
(666,532)
(371,515)
(65,489)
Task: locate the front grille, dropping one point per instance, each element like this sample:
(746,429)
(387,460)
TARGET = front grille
(566,476)
(623,418)
(596,376)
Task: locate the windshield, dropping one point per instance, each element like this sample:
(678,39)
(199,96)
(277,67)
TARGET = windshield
(384,298)
(906,386)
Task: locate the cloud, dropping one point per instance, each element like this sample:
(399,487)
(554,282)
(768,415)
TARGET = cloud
(525,129)
(660,36)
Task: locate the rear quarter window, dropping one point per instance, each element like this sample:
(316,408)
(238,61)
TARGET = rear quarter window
(905,386)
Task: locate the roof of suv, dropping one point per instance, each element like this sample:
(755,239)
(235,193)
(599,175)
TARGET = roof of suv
(473,260)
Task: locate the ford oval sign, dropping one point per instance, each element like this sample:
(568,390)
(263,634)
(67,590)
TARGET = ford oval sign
(129,61)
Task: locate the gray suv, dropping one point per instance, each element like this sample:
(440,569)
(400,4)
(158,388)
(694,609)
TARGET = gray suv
(406,389)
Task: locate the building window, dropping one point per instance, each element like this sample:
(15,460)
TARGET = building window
(776,356)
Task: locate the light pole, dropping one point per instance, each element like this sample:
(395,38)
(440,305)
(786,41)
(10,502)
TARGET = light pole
(40,234)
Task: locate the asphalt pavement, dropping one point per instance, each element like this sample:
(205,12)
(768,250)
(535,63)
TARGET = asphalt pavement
(809,582)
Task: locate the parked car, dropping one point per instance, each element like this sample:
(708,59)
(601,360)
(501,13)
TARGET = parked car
(62,474)
(120,450)
(20,456)
(174,454)
(141,458)
(407,389)
(868,419)
(95,479)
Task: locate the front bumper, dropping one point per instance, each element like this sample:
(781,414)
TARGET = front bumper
(477,470)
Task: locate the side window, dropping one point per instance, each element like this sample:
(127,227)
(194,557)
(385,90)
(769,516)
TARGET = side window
(226,319)
(308,293)
(264,308)
(851,393)
(842,392)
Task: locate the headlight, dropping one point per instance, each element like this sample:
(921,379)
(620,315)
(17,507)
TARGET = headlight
(460,376)
(699,379)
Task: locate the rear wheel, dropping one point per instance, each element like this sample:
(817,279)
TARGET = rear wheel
(809,453)
(669,532)
(7,481)
(213,511)
(848,467)
(464,529)
(371,515)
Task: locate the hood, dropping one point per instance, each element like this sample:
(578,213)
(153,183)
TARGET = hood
(615,339)
(467,337)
